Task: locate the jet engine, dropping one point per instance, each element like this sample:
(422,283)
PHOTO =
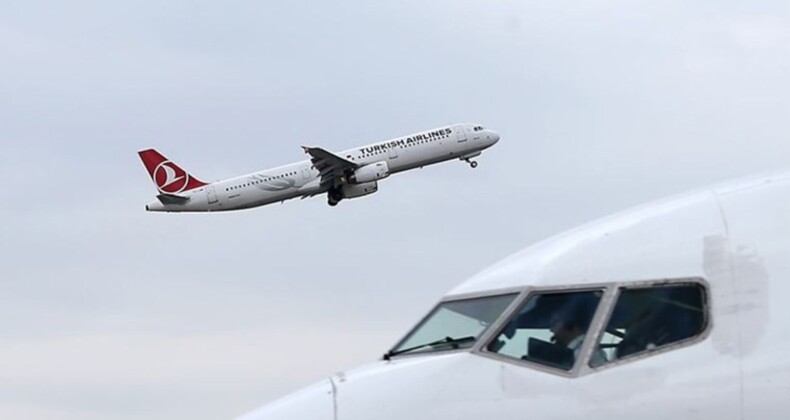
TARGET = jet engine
(358,190)
(371,173)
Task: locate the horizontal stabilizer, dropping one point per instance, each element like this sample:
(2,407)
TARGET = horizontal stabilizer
(172,199)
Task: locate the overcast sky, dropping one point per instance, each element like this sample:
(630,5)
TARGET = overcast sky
(109,312)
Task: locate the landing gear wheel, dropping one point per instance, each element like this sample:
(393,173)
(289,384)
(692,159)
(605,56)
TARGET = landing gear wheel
(333,198)
(473,164)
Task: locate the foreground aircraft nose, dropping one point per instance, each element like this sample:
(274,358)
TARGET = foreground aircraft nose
(313,403)
(420,388)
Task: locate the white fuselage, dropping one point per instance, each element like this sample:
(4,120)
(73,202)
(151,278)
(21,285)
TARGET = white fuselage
(302,179)
(731,241)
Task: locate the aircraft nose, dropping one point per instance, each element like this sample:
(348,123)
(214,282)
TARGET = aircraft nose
(493,137)
(313,403)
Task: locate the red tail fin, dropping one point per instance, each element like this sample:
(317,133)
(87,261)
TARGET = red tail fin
(168,177)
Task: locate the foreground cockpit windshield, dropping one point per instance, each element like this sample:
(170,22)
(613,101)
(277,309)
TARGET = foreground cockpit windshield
(549,329)
(454,325)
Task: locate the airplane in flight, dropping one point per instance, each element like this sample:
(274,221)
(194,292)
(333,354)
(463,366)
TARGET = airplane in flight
(349,174)
(673,310)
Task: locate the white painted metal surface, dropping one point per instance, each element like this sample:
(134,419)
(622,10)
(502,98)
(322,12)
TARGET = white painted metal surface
(735,239)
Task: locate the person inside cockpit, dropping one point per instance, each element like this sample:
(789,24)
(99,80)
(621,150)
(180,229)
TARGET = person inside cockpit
(569,331)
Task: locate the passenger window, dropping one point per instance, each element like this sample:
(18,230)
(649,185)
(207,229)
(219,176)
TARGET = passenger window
(549,329)
(650,318)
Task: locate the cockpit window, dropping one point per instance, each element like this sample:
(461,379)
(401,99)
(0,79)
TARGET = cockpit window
(478,128)
(549,329)
(650,318)
(454,325)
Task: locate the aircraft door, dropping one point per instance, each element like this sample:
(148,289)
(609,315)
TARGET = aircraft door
(211,194)
(306,172)
(393,152)
(461,134)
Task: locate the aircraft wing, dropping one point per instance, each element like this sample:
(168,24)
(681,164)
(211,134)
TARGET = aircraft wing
(331,167)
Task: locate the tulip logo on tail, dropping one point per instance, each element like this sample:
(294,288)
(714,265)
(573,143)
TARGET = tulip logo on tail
(169,178)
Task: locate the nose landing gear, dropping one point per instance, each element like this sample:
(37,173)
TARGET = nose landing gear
(468,158)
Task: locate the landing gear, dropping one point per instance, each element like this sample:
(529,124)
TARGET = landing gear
(333,197)
(468,159)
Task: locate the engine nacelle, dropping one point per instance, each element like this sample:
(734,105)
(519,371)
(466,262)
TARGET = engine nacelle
(371,172)
(358,190)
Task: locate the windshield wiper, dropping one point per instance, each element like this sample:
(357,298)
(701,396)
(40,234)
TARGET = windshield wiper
(455,342)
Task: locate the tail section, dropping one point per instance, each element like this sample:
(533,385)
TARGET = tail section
(168,177)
